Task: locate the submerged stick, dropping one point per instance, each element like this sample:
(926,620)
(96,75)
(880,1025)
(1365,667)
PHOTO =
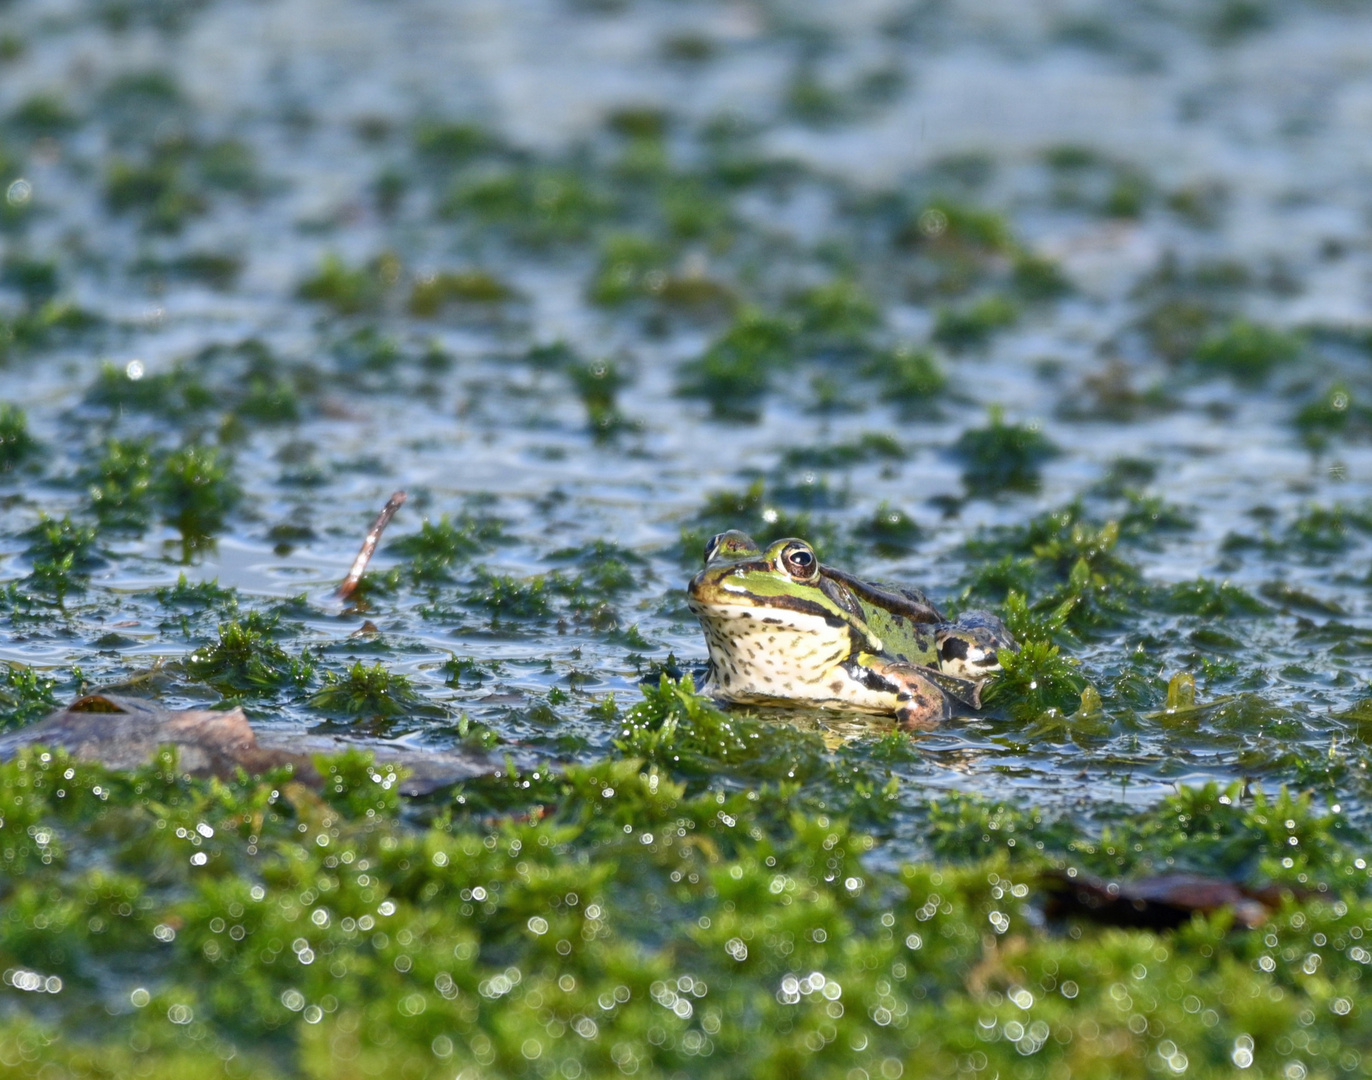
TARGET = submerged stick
(369,542)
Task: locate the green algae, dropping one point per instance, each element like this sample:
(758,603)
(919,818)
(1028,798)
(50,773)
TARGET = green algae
(1002,456)
(196,489)
(364,691)
(347,289)
(974,326)
(440,545)
(598,383)
(247,660)
(16,444)
(431,294)
(1247,351)
(25,695)
(280,920)
(736,370)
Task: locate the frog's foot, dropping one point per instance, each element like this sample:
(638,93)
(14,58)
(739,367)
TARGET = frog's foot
(915,694)
(970,648)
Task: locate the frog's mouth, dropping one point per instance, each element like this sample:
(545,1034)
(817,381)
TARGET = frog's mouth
(793,612)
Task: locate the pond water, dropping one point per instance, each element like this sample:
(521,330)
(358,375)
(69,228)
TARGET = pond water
(593,280)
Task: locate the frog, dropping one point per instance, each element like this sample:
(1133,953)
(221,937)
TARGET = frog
(782,628)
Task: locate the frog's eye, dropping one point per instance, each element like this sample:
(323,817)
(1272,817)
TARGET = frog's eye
(800,562)
(712,546)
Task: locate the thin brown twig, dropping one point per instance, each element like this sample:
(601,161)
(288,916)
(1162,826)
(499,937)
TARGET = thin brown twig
(369,542)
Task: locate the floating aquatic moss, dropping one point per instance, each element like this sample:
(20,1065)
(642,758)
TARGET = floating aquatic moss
(196,489)
(42,114)
(158,189)
(351,290)
(176,392)
(736,370)
(890,530)
(869,446)
(507,596)
(682,732)
(1002,457)
(218,270)
(1175,327)
(470,671)
(369,691)
(431,294)
(1037,278)
(16,444)
(1200,205)
(452,143)
(1109,393)
(688,928)
(269,400)
(908,375)
(229,165)
(841,311)
(1036,680)
(1330,528)
(1336,413)
(812,101)
(693,211)
(248,660)
(1233,20)
(598,383)
(25,695)
(975,325)
(1069,566)
(36,280)
(631,266)
(63,554)
(52,323)
(1130,191)
(951,226)
(119,485)
(198,596)
(1248,351)
(1206,597)
(438,546)
(604,569)
(538,205)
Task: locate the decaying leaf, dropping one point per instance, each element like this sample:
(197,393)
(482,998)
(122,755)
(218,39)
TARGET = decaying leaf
(1159,903)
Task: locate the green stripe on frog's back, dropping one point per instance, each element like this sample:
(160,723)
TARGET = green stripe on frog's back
(903,619)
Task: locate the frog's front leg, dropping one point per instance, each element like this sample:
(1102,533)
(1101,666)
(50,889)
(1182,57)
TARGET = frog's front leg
(970,648)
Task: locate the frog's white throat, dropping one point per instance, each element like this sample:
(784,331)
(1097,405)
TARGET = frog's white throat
(769,653)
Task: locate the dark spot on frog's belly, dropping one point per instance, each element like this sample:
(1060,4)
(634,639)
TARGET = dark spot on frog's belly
(871,679)
(836,685)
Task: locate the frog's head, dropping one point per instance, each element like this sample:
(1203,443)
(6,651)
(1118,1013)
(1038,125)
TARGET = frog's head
(739,573)
(773,599)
